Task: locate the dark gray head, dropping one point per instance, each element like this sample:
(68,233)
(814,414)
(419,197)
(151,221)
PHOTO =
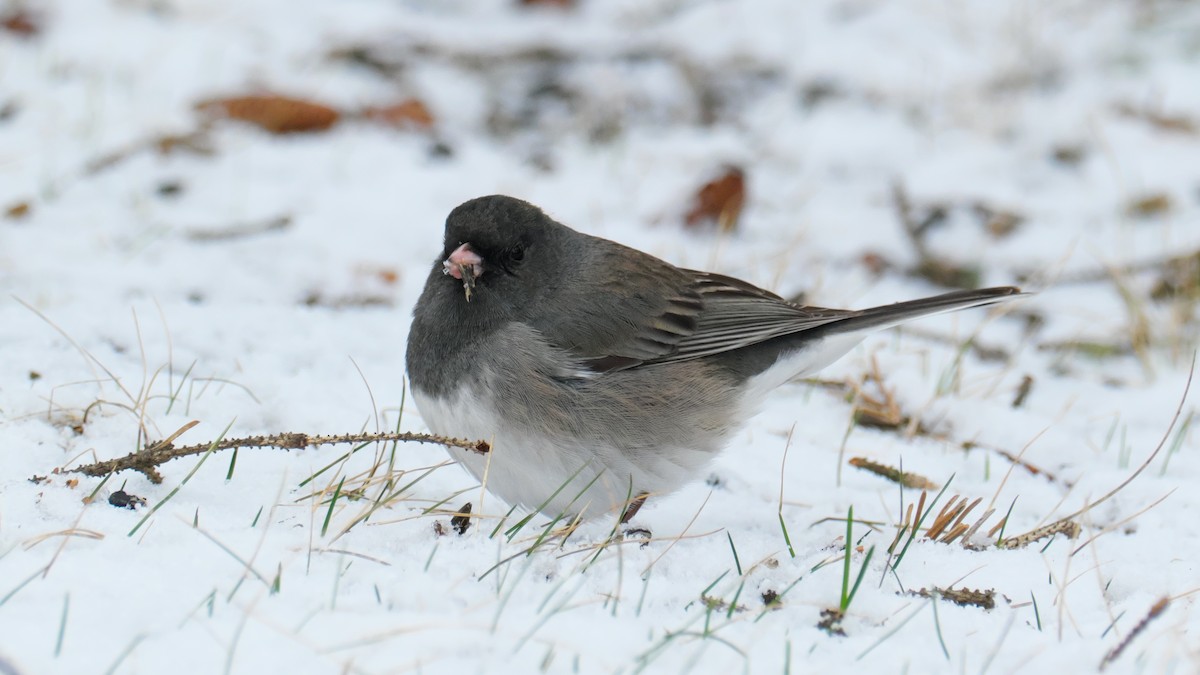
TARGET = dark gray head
(501,259)
(498,225)
(500,255)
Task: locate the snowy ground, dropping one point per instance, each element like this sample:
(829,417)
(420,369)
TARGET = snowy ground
(141,287)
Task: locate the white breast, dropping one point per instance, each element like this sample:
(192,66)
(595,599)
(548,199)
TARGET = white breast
(529,469)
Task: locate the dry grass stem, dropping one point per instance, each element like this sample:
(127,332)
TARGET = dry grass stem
(970,533)
(949,525)
(1065,522)
(1016,460)
(240,230)
(1155,611)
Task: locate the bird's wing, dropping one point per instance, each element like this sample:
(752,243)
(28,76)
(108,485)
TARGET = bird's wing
(736,314)
(653,312)
(623,308)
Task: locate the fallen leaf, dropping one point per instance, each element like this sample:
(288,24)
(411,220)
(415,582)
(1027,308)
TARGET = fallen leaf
(719,201)
(22,23)
(875,263)
(388,276)
(1150,205)
(18,211)
(276,114)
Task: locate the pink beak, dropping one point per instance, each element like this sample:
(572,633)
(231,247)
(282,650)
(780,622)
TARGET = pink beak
(464,264)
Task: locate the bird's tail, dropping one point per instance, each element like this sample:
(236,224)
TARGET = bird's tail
(886,316)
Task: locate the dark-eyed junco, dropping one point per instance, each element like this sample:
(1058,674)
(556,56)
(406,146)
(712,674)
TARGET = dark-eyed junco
(601,374)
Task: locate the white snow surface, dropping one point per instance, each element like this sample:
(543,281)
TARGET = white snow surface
(610,115)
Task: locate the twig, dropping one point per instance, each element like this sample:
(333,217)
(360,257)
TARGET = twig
(148,461)
(1015,460)
(1065,526)
(905,478)
(985,599)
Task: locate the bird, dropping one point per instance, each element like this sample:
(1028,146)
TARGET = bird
(600,375)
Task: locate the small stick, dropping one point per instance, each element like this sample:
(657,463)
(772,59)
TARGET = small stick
(905,478)
(982,598)
(148,461)
(1065,526)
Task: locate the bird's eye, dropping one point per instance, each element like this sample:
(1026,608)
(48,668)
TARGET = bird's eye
(509,259)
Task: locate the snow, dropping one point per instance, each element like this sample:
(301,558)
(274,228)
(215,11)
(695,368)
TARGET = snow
(115,314)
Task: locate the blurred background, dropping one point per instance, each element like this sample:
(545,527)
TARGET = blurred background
(224,210)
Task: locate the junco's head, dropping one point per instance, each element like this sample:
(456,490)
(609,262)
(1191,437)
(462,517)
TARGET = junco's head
(503,252)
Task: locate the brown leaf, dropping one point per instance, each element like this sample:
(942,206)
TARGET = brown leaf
(388,275)
(1149,205)
(22,23)
(18,211)
(407,114)
(276,114)
(719,201)
(875,263)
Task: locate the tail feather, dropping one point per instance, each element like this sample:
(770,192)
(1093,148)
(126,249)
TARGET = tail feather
(886,316)
(771,363)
